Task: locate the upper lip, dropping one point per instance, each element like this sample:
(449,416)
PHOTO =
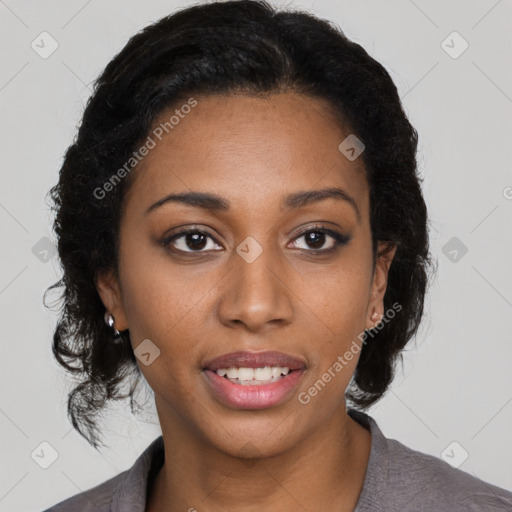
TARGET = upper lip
(244,359)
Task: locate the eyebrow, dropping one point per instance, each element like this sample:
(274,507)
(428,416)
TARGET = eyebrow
(293,201)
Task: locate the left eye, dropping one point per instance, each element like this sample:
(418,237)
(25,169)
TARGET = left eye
(317,238)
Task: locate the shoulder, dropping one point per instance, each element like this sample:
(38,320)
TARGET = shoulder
(125,492)
(401,478)
(430,483)
(96,499)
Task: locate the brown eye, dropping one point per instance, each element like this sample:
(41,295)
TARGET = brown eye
(190,240)
(316,238)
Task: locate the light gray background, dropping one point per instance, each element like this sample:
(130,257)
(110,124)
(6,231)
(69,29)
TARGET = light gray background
(456,384)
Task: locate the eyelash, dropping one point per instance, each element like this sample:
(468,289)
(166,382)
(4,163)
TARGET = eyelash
(339,239)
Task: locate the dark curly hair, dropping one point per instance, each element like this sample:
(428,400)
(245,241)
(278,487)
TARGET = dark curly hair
(243,46)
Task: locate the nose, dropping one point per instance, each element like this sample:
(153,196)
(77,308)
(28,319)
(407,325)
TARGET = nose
(256,294)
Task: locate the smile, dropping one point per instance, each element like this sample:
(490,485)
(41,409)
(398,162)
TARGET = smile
(254,376)
(253,380)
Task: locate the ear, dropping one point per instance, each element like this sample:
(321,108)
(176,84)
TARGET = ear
(109,290)
(385,254)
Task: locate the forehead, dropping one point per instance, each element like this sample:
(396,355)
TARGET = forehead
(247,149)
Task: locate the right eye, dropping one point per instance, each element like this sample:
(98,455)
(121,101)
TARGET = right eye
(189,238)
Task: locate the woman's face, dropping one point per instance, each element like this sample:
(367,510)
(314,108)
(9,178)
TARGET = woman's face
(267,269)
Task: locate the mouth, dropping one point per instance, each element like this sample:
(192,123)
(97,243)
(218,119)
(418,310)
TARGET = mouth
(253,380)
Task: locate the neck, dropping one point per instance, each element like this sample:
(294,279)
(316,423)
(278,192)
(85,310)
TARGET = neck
(325,471)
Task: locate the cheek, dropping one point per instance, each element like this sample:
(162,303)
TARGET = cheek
(338,297)
(338,302)
(340,309)
(161,299)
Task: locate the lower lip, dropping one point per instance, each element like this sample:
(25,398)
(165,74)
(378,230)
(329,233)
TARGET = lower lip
(253,397)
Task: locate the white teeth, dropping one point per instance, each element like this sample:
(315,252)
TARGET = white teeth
(232,373)
(261,373)
(245,375)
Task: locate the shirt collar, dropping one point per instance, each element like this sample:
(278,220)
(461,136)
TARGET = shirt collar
(375,481)
(131,492)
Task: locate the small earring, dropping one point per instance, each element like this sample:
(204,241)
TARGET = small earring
(109,320)
(376,318)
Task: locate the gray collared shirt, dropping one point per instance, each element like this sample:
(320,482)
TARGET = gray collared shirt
(397,479)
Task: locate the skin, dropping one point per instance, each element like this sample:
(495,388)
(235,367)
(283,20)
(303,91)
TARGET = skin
(209,301)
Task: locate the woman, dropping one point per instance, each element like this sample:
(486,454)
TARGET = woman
(241,223)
